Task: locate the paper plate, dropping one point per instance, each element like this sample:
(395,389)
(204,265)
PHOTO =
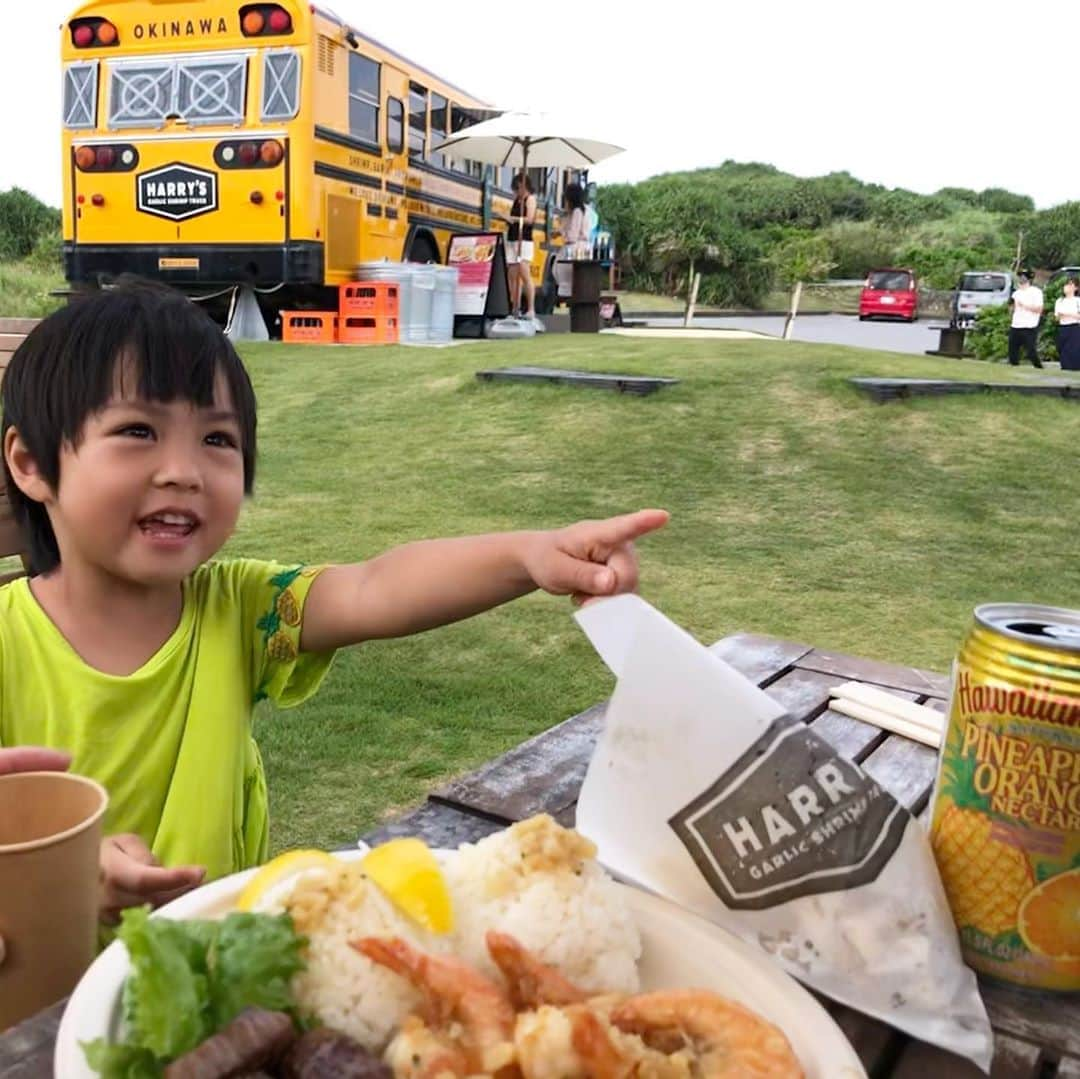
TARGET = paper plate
(679,949)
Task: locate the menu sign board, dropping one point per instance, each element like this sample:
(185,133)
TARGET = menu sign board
(474,257)
(482,292)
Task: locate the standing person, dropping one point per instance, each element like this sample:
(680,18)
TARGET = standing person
(1067,313)
(519,249)
(129,446)
(575,234)
(1027,304)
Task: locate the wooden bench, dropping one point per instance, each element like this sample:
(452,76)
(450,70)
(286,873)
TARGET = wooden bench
(13,332)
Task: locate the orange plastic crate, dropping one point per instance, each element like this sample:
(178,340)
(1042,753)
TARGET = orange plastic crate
(367,330)
(309,327)
(377,299)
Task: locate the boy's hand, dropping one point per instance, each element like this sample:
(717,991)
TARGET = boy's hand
(591,558)
(131,876)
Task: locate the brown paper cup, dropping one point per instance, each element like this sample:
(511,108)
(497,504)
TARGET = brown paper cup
(50,834)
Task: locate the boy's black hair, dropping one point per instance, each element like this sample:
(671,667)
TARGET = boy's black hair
(65,371)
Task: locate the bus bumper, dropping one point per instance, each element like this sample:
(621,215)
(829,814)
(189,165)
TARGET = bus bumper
(299,262)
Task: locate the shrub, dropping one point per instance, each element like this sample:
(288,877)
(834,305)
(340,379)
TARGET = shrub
(989,337)
(858,246)
(24,220)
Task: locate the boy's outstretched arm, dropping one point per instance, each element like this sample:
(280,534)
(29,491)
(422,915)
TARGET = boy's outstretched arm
(434,582)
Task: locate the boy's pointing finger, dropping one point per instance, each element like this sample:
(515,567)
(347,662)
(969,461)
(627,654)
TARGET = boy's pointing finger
(629,526)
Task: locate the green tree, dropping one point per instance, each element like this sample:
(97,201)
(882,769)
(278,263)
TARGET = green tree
(1052,237)
(998,200)
(24,221)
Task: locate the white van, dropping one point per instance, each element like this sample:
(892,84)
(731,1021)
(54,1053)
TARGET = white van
(980,289)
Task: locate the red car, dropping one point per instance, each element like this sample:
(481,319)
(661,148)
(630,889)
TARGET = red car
(890,294)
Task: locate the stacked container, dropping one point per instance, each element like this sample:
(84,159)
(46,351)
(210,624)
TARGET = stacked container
(442,308)
(417,283)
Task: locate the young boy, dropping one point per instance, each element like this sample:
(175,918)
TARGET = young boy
(129,444)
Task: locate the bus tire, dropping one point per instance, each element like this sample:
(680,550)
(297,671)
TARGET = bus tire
(547,295)
(422,248)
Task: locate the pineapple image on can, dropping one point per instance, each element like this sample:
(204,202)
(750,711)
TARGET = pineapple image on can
(1006,821)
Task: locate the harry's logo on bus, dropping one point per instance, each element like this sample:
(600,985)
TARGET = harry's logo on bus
(177,191)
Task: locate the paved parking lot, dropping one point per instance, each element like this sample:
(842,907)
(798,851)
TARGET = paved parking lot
(914,337)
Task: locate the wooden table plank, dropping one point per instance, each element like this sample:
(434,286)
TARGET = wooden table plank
(851,738)
(758,658)
(888,675)
(1013,1059)
(905,769)
(26,1050)
(802,694)
(542,775)
(437,825)
(1051,1020)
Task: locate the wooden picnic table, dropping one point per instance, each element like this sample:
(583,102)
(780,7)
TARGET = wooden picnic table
(1037,1035)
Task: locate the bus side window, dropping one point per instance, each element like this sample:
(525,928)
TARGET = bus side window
(395,125)
(417,120)
(363,98)
(439,111)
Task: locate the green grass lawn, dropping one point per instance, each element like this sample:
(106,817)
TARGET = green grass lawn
(798,509)
(25,288)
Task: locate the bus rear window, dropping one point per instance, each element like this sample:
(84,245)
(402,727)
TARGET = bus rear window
(889,280)
(207,90)
(983,282)
(80,94)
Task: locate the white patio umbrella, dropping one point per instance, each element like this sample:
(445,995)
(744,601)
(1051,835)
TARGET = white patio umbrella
(519,139)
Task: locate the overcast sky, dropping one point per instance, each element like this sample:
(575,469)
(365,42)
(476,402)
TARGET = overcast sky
(914,94)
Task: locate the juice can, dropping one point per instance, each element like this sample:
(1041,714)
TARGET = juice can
(1006,819)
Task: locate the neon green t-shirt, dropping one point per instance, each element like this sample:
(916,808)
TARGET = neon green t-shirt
(172,742)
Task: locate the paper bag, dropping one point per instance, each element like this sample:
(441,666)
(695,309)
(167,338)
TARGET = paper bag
(703,791)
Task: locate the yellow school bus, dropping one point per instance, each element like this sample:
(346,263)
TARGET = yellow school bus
(211,143)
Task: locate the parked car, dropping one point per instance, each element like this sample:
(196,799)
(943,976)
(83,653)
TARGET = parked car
(890,294)
(1063,271)
(979,289)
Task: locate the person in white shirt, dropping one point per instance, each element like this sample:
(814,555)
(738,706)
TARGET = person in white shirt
(1067,313)
(1027,305)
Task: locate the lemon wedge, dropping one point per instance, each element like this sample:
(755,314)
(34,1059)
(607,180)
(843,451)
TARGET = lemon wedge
(410,876)
(276,879)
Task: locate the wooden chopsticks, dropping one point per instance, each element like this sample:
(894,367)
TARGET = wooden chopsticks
(889,712)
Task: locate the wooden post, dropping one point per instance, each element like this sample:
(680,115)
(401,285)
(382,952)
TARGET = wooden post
(789,325)
(691,302)
(1019,250)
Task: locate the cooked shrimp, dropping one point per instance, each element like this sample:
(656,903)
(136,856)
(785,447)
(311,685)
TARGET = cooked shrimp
(418,1052)
(453,991)
(530,981)
(730,1041)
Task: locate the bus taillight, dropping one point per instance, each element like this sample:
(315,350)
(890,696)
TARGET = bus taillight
(249,154)
(122,158)
(271,152)
(260,20)
(93,32)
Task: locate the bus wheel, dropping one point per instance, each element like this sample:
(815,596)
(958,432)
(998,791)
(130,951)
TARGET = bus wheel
(547,294)
(422,249)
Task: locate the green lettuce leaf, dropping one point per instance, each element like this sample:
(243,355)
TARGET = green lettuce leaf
(190,979)
(168,1004)
(122,1061)
(252,962)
